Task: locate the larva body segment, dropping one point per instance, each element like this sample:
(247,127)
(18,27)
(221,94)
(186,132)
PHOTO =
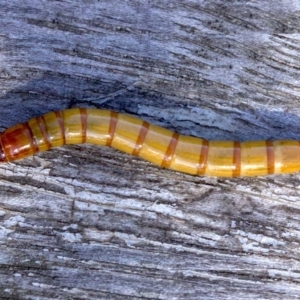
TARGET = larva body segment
(153,143)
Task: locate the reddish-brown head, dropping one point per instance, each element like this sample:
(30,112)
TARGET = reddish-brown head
(16,143)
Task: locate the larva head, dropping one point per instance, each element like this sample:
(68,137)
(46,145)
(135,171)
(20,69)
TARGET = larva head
(15,143)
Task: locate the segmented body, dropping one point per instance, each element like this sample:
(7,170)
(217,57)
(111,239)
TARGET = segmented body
(153,143)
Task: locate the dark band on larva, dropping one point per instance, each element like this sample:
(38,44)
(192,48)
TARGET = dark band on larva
(61,125)
(270,157)
(170,151)
(203,158)
(43,129)
(112,127)
(83,120)
(141,138)
(236,159)
(30,137)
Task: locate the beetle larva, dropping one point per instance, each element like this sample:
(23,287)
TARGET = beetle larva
(156,144)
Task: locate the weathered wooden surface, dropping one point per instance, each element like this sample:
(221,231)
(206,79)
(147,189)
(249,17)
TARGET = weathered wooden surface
(83,222)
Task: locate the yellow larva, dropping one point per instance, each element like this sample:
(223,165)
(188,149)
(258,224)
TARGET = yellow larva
(153,143)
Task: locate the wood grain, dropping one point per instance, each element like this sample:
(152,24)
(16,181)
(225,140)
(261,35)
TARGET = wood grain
(82,222)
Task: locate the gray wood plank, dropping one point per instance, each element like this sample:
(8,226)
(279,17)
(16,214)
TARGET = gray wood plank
(85,222)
